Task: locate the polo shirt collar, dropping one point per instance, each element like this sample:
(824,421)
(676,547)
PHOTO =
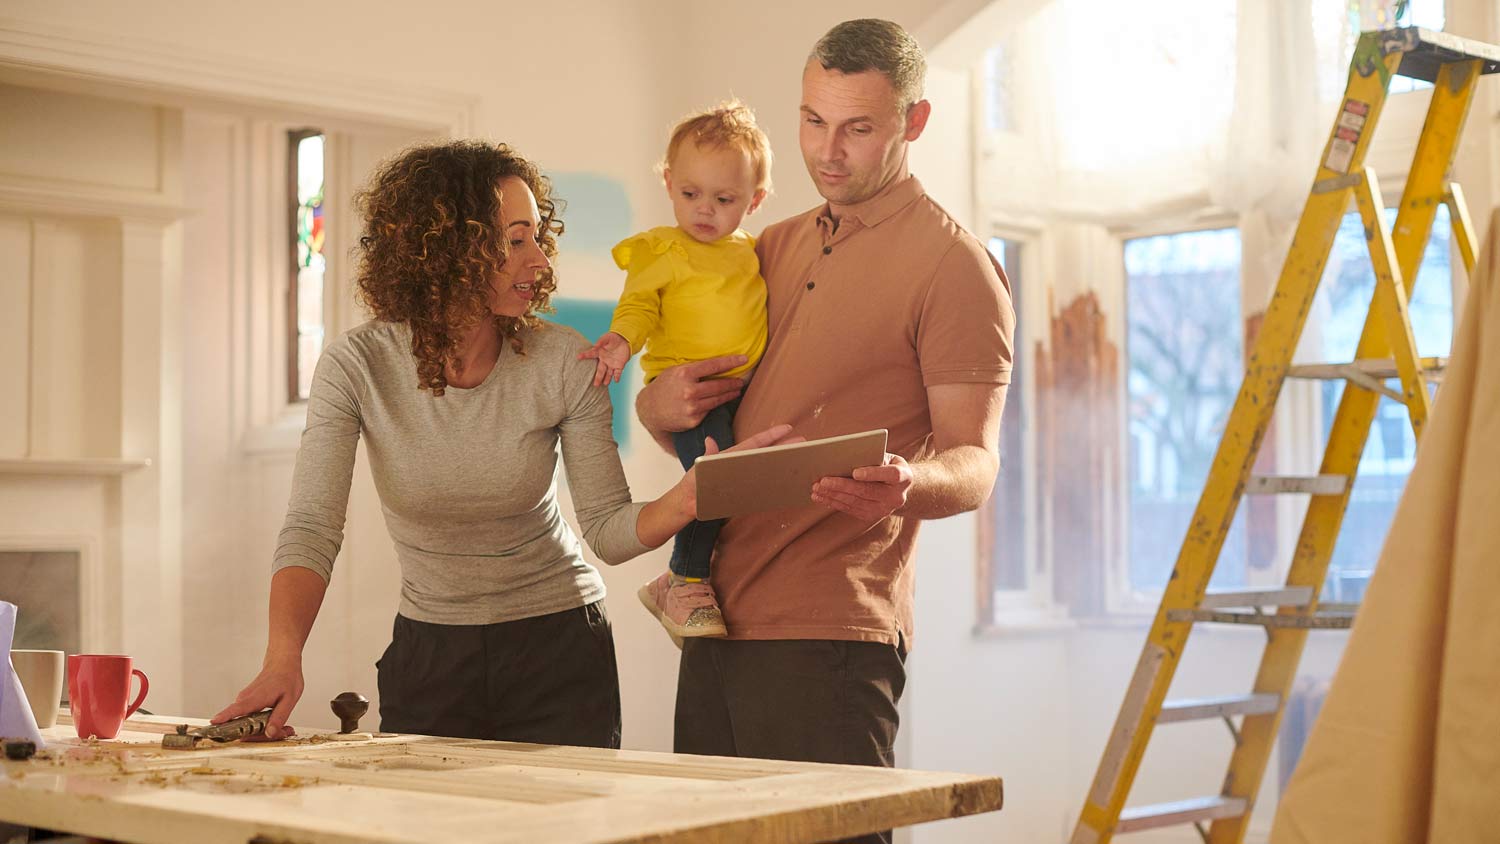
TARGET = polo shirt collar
(901,192)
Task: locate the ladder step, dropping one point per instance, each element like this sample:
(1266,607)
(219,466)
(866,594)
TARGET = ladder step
(1287,596)
(1261,619)
(1381,368)
(1179,812)
(1204,708)
(1284,484)
(1336,609)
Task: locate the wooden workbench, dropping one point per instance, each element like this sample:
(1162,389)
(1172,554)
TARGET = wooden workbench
(398,788)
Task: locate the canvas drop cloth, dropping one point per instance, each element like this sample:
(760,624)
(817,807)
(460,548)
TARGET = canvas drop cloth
(1407,747)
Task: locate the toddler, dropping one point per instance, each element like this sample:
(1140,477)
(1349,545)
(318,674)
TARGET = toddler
(694,291)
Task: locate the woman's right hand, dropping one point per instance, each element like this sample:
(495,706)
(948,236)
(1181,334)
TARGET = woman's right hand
(278,686)
(687,488)
(661,519)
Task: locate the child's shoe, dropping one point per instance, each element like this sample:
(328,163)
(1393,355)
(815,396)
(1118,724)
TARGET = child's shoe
(685,609)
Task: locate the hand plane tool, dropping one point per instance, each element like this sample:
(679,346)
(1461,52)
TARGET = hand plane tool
(188,738)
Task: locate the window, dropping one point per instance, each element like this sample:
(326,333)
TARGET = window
(305,319)
(1006,512)
(1344,299)
(1365,15)
(999,89)
(1428,14)
(1185,365)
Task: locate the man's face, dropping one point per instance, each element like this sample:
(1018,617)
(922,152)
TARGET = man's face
(853,132)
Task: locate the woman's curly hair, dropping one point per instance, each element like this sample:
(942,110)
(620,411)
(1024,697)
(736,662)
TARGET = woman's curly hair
(431,246)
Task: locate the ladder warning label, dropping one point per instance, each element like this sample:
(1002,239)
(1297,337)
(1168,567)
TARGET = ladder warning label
(1340,153)
(1346,134)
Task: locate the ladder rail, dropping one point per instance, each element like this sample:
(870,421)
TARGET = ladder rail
(1463,226)
(1248,421)
(1390,299)
(1340,175)
(1425,186)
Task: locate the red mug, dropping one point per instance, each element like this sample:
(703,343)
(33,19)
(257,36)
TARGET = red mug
(98,689)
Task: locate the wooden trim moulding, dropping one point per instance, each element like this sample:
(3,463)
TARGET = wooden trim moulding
(90,58)
(72,466)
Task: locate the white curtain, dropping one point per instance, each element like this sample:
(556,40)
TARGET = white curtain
(1148,109)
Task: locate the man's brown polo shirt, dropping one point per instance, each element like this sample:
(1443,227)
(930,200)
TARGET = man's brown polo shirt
(864,317)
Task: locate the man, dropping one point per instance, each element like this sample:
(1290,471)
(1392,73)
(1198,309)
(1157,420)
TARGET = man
(884,313)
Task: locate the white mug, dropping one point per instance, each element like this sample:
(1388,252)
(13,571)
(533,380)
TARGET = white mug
(41,674)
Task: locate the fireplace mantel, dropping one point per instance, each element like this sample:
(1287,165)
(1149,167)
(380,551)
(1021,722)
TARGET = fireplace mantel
(72,466)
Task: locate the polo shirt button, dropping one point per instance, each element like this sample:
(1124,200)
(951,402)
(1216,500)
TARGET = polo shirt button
(828,250)
(809,285)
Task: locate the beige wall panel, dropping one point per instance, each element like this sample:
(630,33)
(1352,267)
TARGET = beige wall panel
(78,139)
(211,532)
(15,334)
(75,347)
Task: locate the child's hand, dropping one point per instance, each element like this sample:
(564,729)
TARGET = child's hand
(612,352)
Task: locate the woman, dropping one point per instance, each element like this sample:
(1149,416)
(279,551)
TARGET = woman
(462,396)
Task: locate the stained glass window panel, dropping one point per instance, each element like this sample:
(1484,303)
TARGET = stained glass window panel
(307,299)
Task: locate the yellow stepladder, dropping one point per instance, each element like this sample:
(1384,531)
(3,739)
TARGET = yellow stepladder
(1386,351)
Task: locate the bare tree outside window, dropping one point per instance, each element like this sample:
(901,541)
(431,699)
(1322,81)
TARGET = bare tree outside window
(1186,363)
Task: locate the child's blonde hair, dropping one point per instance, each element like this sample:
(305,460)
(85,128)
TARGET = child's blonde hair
(730,124)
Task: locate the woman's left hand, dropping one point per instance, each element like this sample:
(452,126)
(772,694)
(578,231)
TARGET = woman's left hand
(775,435)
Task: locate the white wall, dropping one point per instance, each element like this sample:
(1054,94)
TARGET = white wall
(63,272)
(86,210)
(761,62)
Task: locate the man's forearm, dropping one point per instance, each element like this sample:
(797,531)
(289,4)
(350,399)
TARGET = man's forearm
(679,397)
(954,481)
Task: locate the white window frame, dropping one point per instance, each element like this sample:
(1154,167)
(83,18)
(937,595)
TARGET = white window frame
(276,421)
(1033,606)
(1122,599)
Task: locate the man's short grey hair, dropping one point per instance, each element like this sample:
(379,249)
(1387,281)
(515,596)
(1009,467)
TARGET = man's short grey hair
(872,44)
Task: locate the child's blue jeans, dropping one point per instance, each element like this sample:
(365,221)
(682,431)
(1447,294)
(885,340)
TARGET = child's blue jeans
(694,548)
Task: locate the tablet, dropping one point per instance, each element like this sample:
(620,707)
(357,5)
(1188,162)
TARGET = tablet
(738,482)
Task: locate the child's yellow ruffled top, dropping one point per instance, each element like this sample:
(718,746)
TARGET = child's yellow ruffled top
(685,300)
